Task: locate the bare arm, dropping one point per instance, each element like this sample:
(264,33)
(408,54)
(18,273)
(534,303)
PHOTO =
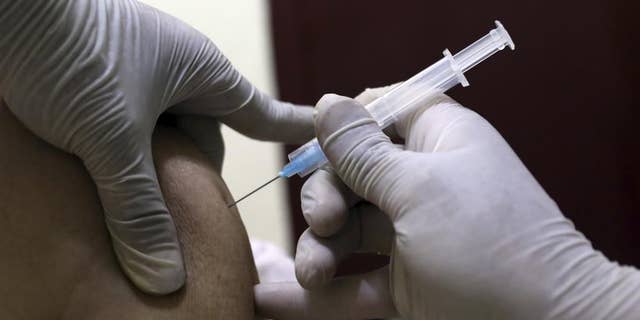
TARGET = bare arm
(57,261)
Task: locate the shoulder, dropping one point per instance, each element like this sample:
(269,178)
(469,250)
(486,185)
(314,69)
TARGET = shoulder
(59,255)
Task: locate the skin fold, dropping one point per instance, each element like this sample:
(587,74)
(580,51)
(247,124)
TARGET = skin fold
(57,260)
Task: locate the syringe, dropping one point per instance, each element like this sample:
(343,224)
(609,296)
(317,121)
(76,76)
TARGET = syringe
(437,78)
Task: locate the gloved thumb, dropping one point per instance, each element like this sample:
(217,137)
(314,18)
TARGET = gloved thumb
(142,231)
(360,153)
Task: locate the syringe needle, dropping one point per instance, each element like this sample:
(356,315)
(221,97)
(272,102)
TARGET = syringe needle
(254,191)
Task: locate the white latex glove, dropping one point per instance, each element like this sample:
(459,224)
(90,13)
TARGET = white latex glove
(470,232)
(92,76)
(273,264)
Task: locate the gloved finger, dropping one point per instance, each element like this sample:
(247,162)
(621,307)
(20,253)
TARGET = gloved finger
(207,84)
(142,231)
(265,118)
(317,258)
(205,132)
(442,124)
(370,94)
(325,199)
(364,296)
(325,202)
(361,154)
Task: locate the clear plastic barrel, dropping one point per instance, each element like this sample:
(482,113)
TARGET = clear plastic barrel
(437,78)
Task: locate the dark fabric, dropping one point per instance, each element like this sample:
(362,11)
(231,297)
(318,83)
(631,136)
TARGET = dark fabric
(566,99)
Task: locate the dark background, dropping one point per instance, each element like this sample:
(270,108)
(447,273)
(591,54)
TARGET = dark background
(566,99)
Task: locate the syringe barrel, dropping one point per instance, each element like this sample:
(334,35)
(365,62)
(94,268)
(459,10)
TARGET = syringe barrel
(437,78)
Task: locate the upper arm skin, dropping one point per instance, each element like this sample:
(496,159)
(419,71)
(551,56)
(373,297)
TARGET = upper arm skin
(57,261)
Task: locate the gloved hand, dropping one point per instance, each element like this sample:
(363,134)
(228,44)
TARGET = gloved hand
(470,232)
(92,77)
